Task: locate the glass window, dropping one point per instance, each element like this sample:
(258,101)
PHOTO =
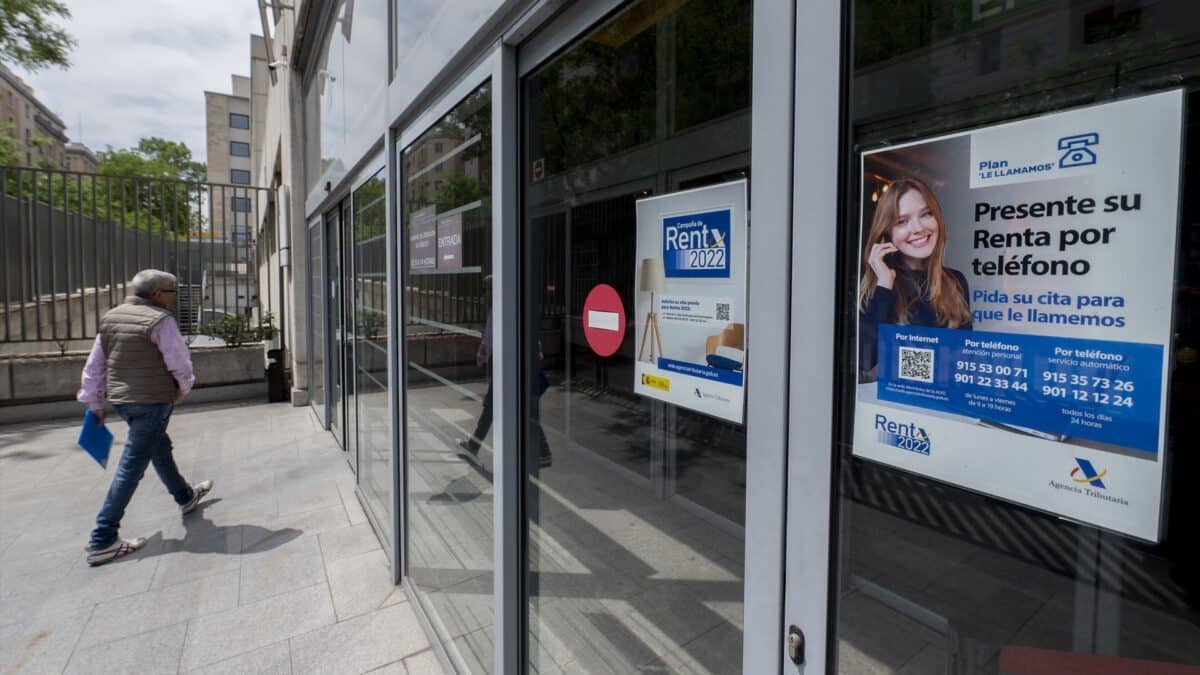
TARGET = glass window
(239,149)
(371,348)
(635,507)
(316,307)
(448,341)
(239,121)
(937,578)
(239,176)
(343,98)
(240,204)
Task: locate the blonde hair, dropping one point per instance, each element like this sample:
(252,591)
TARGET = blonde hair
(945,293)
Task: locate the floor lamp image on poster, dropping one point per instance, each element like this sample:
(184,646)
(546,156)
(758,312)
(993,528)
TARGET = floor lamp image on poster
(653,280)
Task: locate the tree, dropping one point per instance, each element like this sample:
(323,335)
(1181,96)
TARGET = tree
(9,149)
(28,35)
(168,200)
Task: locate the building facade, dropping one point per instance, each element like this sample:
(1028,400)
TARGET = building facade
(40,134)
(228,131)
(917,284)
(81,158)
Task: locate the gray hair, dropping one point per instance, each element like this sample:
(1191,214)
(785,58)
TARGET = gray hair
(147,282)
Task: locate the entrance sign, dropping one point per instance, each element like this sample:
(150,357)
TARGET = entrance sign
(449,242)
(1015,295)
(690,299)
(604,320)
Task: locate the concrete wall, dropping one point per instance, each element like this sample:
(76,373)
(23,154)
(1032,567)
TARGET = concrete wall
(38,379)
(278,146)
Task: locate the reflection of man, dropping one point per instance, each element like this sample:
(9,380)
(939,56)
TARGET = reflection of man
(483,359)
(139,363)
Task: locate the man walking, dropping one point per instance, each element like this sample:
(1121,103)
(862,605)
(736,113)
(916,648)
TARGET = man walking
(141,364)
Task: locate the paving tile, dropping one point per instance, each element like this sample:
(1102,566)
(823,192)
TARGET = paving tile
(393,668)
(117,619)
(425,663)
(354,509)
(360,584)
(156,651)
(289,566)
(348,542)
(397,596)
(203,550)
(360,644)
(273,659)
(44,645)
(271,532)
(85,586)
(214,637)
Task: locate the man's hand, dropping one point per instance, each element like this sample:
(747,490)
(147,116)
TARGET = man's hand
(99,415)
(180,397)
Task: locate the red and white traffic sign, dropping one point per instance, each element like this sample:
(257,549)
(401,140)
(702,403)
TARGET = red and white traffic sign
(604,320)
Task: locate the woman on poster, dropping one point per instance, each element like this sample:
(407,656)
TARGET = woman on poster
(904,280)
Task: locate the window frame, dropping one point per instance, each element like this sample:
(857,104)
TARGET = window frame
(238,116)
(233,174)
(238,144)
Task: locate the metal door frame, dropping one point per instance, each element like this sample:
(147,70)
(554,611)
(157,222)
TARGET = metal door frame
(814,223)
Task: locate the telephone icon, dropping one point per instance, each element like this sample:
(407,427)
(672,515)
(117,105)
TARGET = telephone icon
(1076,150)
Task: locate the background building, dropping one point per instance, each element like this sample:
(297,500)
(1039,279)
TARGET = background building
(40,134)
(80,157)
(228,130)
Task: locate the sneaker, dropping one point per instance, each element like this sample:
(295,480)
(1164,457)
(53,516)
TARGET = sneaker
(118,549)
(199,490)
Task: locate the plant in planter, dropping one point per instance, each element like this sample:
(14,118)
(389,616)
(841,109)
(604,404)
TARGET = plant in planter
(369,323)
(236,330)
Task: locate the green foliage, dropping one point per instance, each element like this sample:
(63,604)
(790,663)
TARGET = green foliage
(9,148)
(370,322)
(236,330)
(153,187)
(29,36)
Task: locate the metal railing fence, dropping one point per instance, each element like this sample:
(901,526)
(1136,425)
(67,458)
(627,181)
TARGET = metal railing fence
(72,241)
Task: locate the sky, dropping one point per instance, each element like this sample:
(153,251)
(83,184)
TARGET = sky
(141,67)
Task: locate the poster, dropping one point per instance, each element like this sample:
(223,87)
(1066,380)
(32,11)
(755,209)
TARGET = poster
(690,299)
(1015,295)
(422,239)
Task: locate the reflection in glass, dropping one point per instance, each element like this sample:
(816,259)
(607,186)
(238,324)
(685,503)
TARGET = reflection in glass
(634,507)
(447,331)
(371,349)
(934,578)
(343,99)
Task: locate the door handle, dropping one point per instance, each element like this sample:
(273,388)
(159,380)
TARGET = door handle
(795,645)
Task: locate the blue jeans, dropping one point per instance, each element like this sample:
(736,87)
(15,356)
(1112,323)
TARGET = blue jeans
(147,443)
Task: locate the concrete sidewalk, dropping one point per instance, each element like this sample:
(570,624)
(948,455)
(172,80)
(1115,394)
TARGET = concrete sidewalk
(277,572)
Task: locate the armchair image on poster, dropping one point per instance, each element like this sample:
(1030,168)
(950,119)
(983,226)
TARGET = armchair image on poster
(690,305)
(1014,309)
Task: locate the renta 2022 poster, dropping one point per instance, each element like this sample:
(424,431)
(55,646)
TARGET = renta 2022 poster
(690,312)
(1014,309)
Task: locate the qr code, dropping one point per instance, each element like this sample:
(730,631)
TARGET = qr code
(916,364)
(722,311)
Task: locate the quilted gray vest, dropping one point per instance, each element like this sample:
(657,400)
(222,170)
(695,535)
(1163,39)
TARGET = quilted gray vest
(136,371)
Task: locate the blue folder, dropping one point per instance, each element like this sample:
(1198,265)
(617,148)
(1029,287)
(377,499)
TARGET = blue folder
(95,438)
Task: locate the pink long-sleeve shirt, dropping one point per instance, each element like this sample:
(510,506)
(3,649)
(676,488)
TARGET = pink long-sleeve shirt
(175,355)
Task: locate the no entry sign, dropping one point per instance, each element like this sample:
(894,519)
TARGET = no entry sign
(604,320)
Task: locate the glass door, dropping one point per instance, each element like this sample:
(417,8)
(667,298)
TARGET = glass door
(1010,459)
(336,331)
(634,433)
(349,334)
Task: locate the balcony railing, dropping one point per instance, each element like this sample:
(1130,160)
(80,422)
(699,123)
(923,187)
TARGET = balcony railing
(72,241)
